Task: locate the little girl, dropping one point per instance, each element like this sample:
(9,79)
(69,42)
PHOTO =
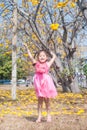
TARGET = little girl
(43,83)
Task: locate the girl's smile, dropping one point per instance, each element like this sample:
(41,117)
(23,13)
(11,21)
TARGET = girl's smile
(42,57)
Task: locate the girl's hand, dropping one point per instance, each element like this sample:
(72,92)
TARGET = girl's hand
(53,55)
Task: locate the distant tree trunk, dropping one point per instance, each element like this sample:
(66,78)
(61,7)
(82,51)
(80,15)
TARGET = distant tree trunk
(14,41)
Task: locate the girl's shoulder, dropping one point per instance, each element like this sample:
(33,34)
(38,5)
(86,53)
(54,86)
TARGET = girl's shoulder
(36,63)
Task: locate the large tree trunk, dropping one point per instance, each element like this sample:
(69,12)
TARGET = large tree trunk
(71,86)
(14,41)
(74,85)
(68,83)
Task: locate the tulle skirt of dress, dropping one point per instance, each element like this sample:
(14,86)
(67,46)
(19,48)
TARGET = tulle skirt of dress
(44,86)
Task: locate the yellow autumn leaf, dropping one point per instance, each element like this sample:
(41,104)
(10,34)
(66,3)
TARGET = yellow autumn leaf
(26,55)
(3,14)
(7,46)
(59,40)
(44,113)
(9,52)
(10,26)
(2,5)
(63,55)
(61,4)
(19,114)
(1,45)
(72,4)
(54,26)
(34,37)
(80,112)
(7,41)
(6,11)
(35,2)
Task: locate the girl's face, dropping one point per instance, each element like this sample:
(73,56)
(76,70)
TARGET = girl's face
(42,57)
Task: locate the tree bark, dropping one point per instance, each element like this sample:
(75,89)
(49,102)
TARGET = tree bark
(74,86)
(14,41)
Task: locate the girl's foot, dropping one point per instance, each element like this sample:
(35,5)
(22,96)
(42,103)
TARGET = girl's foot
(38,120)
(49,119)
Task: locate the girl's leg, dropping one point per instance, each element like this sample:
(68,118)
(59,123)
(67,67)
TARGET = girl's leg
(47,103)
(40,103)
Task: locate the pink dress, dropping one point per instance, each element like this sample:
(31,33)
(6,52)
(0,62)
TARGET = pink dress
(43,83)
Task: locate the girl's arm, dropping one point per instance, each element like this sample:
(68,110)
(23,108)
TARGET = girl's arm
(52,59)
(30,55)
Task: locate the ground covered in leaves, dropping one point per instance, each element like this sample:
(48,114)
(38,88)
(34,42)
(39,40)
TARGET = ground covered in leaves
(69,111)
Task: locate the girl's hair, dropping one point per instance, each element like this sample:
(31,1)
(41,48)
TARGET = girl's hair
(38,53)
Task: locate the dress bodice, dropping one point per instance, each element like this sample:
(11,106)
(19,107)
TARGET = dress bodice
(41,67)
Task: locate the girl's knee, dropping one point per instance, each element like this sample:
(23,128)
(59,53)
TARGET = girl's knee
(46,100)
(40,99)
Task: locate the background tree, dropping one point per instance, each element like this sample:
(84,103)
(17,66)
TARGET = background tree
(57,26)
(85,70)
(5,66)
